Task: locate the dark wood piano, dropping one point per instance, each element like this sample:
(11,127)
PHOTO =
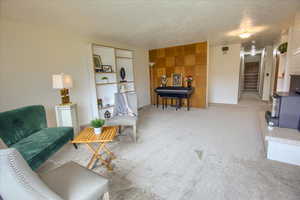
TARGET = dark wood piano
(177,93)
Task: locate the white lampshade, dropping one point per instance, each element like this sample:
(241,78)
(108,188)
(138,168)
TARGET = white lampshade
(61,81)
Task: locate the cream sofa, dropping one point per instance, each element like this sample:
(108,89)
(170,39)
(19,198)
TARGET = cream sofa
(68,182)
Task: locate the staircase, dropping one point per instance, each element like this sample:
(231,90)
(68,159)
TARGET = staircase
(250,81)
(251,76)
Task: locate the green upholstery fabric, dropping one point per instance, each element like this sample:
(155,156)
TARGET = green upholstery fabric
(36,148)
(26,130)
(20,123)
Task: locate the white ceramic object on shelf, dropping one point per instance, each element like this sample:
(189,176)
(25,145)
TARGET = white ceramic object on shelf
(97,131)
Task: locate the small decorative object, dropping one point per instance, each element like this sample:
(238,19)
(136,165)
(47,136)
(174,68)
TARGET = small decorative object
(63,82)
(225,49)
(123,88)
(105,79)
(189,80)
(97,63)
(107,114)
(100,103)
(164,81)
(177,79)
(283,48)
(97,125)
(123,74)
(151,64)
(107,68)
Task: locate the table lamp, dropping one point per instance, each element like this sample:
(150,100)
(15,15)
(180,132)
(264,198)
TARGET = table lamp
(64,83)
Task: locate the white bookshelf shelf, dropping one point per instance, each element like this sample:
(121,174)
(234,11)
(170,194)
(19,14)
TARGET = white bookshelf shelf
(126,82)
(117,58)
(121,57)
(105,72)
(106,107)
(113,83)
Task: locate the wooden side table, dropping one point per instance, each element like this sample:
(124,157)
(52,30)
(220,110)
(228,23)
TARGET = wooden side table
(87,136)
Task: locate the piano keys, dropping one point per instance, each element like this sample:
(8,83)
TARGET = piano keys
(178,93)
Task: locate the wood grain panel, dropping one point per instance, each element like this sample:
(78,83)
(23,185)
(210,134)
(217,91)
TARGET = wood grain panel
(190,60)
(170,61)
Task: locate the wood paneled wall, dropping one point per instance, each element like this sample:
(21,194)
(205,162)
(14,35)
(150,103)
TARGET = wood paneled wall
(190,60)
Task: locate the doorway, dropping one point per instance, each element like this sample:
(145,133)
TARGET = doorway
(251,76)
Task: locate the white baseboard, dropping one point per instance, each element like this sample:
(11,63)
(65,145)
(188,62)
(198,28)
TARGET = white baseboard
(282,152)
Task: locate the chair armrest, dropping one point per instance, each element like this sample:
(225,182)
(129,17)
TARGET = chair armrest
(2,145)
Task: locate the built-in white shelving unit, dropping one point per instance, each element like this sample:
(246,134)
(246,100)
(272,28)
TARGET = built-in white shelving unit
(117,58)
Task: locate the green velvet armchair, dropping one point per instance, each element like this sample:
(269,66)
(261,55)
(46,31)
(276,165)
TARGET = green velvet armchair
(26,130)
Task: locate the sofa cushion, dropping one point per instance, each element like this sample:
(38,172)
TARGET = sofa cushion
(21,123)
(74,182)
(39,146)
(2,146)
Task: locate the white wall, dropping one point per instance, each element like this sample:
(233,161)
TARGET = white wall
(250,58)
(224,72)
(293,61)
(242,70)
(267,73)
(279,87)
(261,73)
(30,54)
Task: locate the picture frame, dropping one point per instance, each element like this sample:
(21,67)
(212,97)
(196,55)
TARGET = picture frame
(107,68)
(177,79)
(97,63)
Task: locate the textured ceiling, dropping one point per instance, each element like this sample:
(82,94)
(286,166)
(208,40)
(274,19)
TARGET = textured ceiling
(159,23)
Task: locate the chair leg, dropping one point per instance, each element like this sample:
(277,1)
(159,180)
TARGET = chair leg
(75,145)
(134,133)
(105,196)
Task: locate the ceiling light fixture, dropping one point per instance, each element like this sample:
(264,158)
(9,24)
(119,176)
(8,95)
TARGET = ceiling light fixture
(253,49)
(245,35)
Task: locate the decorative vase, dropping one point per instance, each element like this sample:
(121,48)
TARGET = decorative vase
(189,84)
(123,74)
(107,114)
(97,130)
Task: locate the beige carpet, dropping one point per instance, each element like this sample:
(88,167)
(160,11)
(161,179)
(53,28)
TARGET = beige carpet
(212,154)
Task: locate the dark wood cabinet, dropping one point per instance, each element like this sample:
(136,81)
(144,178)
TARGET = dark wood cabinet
(295,82)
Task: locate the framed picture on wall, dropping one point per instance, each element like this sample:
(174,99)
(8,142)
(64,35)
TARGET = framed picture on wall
(107,68)
(97,63)
(177,79)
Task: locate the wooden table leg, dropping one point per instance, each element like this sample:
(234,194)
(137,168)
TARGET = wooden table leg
(188,103)
(157,100)
(109,152)
(92,160)
(95,155)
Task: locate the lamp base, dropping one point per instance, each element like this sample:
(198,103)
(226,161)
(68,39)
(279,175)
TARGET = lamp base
(65,98)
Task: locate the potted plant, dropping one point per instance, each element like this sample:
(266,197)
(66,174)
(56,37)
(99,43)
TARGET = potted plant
(189,80)
(105,79)
(283,48)
(97,125)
